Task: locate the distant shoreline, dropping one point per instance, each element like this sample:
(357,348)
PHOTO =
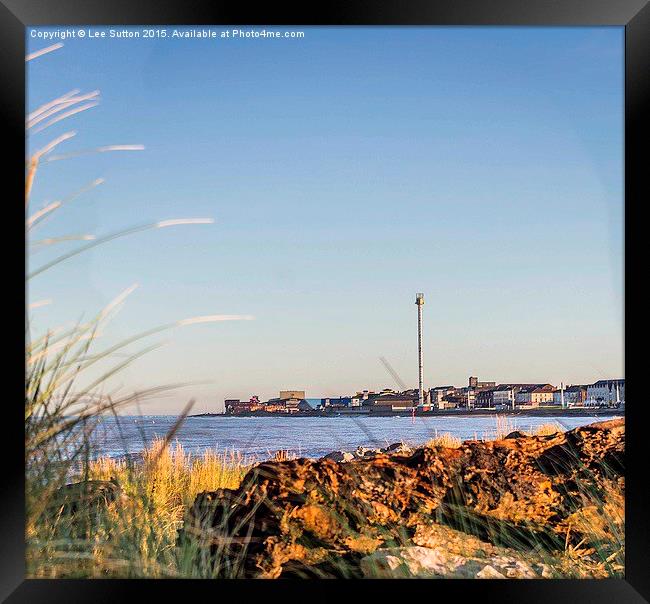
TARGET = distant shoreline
(538,412)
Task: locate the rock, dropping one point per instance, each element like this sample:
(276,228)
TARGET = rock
(308,517)
(339,456)
(544,570)
(409,562)
(439,536)
(79,505)
(396,448)
(516,434)
(489,572)
(86,496)
(512,566)
(475,552)
(424,562)
(365,453)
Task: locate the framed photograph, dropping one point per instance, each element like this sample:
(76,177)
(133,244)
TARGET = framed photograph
(328,294)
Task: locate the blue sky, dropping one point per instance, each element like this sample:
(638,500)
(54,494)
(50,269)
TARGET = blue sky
(345,171)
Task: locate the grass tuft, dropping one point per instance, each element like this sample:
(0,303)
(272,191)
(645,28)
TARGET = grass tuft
(444,440)
(135,535)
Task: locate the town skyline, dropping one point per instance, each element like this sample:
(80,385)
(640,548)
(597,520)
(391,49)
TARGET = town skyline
(475,395)
(473,385)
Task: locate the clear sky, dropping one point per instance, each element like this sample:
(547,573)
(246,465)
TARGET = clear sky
(345,171)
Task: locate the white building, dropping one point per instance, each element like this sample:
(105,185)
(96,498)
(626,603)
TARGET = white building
(438,395)
(504,395)
(605,391)
(573,395)
(524,395)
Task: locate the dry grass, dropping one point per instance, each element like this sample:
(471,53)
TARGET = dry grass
(504,426)
(546,429)
(445,440)
(283,455)
(135,536)
(170,477)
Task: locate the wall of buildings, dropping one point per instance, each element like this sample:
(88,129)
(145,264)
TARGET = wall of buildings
(604,391)
(481,395)
(291,394)
(504,396)
(573,395)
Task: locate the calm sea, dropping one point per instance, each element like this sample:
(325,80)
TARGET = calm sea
(308,437)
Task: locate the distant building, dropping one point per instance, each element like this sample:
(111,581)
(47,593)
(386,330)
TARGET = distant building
(295,405)
(525,395)
(394,401)
(604,392)
(275,405)
(451,397)
(535,395)
(465,396)
(341,401)
(457,400)
(291,394)
(290,405)
(236,406)
(507,394)
(293,401)
(474,383)
(414,392)
(289,401)
(485,398)
(573,395)
(439,394)
(365,397)
(368,397)
(543,395)
(504,396)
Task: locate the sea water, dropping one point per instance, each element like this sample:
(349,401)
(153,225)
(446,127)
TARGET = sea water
(261,437)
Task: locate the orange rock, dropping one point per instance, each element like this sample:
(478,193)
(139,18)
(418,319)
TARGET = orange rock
(304,516)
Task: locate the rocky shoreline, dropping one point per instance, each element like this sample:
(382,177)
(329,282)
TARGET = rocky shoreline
(543,506)
(520,507)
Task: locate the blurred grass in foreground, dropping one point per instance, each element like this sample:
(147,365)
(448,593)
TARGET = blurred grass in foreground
(135,535)
(66,377)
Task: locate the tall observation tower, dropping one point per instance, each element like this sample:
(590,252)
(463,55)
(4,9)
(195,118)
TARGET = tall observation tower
(419,301)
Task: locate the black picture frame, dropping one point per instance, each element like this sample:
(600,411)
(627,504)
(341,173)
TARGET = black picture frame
(16,15)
